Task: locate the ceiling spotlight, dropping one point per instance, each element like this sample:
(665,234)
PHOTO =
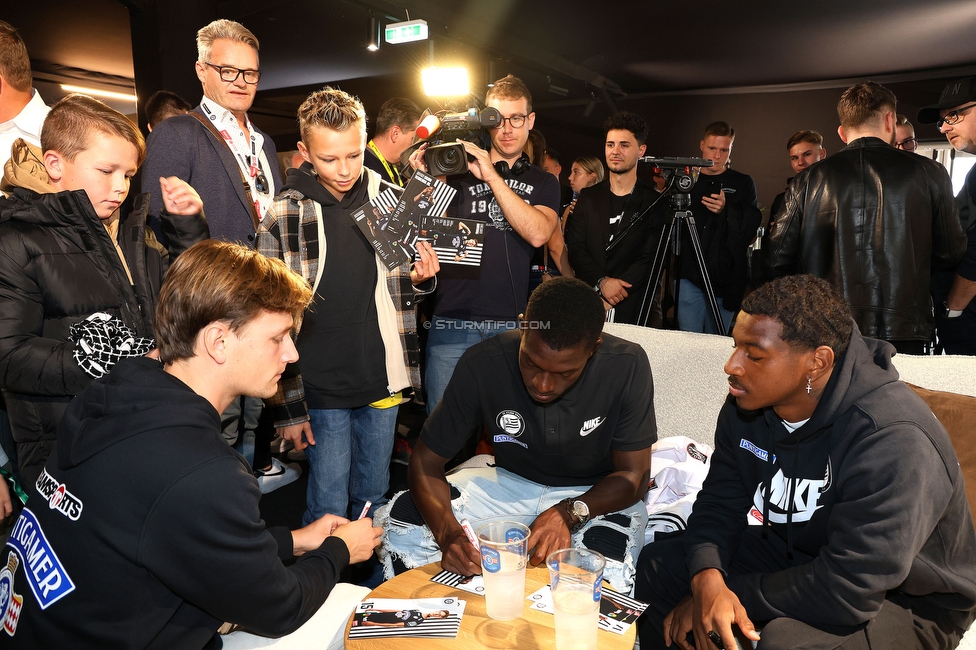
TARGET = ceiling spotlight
(373,35)
(588,111)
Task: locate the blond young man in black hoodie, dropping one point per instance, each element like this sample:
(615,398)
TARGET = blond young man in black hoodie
(144,531)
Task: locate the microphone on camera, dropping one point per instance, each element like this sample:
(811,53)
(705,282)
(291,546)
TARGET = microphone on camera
(428,126)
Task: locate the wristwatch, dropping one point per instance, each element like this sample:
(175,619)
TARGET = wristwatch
(950,313)
(579,513)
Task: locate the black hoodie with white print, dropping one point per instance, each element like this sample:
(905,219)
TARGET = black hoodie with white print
(863,499)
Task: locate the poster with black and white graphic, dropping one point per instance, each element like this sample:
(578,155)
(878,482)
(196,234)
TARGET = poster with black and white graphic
(424,196)
(617,611)
(456,241)
(375,221)
(471,584)
(430,618)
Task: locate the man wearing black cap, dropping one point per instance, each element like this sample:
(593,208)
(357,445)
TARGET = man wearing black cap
(956,316)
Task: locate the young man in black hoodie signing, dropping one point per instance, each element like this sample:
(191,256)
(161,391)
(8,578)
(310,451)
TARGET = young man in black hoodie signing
(143,530)
(834,514)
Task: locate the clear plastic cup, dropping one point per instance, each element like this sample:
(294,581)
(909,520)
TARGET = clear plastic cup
(576,576)
(504,551)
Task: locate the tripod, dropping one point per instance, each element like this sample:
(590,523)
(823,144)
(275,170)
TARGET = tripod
(670,244)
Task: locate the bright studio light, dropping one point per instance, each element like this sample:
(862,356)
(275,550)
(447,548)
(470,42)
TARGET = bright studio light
(445,82)
(99,93)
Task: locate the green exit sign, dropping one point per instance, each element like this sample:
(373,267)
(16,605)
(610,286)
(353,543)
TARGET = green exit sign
(412,30)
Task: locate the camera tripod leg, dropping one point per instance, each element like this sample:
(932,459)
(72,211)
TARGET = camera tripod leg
(654,277)
(709,291)
(670,239)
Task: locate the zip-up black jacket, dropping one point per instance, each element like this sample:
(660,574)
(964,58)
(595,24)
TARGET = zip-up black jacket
(630,259)
(867,497)
(58,265)
(156,538)
(874,222)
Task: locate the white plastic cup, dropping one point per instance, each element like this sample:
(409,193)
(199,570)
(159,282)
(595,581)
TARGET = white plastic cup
(576,576)
(504,551)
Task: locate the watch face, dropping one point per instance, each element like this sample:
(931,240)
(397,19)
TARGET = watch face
(580,509)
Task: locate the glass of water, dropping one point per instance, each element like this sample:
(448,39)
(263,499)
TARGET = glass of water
(504,551)
(576,576)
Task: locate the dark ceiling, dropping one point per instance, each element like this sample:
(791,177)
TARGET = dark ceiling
(580,58)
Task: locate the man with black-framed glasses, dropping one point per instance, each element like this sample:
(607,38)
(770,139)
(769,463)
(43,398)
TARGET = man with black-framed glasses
(233,166)
(905,134)
(517,201)
(955,301)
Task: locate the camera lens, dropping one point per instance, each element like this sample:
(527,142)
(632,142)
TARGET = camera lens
(446,159)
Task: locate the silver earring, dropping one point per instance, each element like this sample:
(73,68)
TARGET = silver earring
(809,385)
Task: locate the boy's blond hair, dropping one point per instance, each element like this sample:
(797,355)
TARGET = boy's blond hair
(76,119)
(333,109)
(223,29)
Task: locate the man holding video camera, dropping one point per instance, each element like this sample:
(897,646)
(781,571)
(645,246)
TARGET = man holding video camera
(518,203)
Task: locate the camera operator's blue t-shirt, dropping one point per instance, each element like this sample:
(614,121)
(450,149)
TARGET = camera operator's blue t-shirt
(498,289)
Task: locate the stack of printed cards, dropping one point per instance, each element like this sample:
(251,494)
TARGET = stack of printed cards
(430,618)
(374,220)
(394,224)
(617,612)
(423,197)
(455,241)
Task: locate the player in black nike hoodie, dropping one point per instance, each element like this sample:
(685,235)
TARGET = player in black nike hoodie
(143,531)
(834,508)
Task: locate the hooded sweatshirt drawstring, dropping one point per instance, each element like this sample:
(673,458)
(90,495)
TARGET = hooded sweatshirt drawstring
(768,487)
(789,507)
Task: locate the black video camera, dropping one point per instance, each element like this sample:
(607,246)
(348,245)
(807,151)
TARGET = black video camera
(678,172)
(445,155)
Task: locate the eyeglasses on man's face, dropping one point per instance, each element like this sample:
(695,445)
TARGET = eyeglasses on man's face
(908,144)
(952,117)
(517,121)
(230,74)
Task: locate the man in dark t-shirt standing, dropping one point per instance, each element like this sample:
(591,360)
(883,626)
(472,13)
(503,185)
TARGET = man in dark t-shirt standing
(518,202)
(571,414)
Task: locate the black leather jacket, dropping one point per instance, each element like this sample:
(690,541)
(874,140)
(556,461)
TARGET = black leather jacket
(875,222)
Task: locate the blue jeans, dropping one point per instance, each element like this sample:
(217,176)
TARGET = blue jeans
(446,342)
(349,464)
(694,313)
(490,493)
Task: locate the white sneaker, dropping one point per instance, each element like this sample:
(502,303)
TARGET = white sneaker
(278,475)
(280,445)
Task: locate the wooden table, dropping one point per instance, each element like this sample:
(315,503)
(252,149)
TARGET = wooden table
(534,629)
